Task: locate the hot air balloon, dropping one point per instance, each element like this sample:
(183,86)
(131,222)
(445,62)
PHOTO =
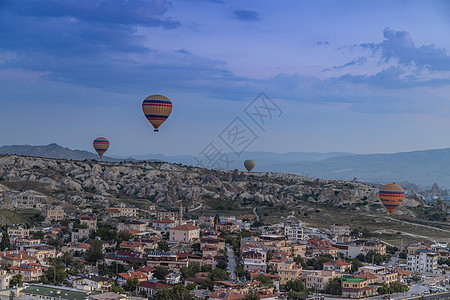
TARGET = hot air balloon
(391,195)
(157,109)
(249,164)
(101,145)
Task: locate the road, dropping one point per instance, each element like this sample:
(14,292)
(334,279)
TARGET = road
(231,261)
(256,214)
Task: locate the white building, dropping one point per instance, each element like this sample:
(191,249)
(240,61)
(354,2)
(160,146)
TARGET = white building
(423,261)
(294,232)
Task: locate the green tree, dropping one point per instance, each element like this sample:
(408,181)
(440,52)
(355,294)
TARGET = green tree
(131,284)
(95,252)
(334,286)
(16,280)
(356,264)
(116,289)
(54,275)
(296,286)
(402,255)
(160,273)
(252,295)
(5,244)
(218,275)
(269,255)
(178,292)
(265,280)
(190,271)
(222,265)
(163,246)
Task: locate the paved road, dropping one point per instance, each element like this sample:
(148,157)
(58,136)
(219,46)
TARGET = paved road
(256,214)
(231,261)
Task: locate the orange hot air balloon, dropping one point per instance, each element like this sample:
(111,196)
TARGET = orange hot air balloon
(391,195)
(101,145)
(157,109)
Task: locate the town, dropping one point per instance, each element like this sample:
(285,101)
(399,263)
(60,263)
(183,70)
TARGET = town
(126,252)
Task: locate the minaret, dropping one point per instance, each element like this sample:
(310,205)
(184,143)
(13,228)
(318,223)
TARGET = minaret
(180,214)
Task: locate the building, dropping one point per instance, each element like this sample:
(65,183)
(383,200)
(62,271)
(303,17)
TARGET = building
(51,292)
(5,279)
(74,247)
(29,200)
(207,221)
(288,271)
(357,288)
(80,234)
(163,213)
(150,287)
(122,211)
(412,248)
(131,225)
(319,279)
(89,221)
(54,213)
(294,232)
(422,261)
(185,233)
(163,224)
(169,260)
(322,249)
(215,241)
(339,229)
(29,272)
(18,231)
(15,258)
(337,265)
(226,294)
(254,260)
(132,245)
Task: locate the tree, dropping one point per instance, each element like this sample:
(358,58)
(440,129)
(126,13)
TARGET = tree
(190,271)
(402,255)
(269,255)
(334,286)
(252,295)
(296,286)
(163,246)
(54,275)
(131,284)
(95,252)
(356,264)
(265,280)
(116,289)
(5,244)
(178,292)
(16,280)
(222,265)
(218,275)
(160,273)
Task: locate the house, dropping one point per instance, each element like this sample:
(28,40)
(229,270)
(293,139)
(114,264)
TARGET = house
(294,232)
(227,226)
(254,259)
(42,252)
(166,259)
(173,278)
(80,234)
(18,231)
(185,233)
(337,265)
(339,229)
(29,199)
(288,271)
(93,283)
(194,280)
(217,242)
(164,213)
(206,220)
(90,221)
(422,261)
(163,224)
(51,292)
(123,277)
(226,294)
(132,245)
(371,278)
(29,272)
(74,247)
(150,287)
(122,211)
(15,258)
(5,279)
(318,280)
(357,288)
(131,225)
(124,257)
(54,213)
(321,249)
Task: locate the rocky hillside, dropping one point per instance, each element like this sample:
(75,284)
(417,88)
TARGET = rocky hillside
(166,183)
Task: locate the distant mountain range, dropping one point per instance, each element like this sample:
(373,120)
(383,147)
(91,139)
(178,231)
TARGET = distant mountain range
(419,167)
(53,151)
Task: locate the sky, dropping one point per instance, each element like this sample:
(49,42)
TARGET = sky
(350,76)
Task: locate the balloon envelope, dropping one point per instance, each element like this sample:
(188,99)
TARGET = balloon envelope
(249,164)
(391,195)
(157,109)
(101,145)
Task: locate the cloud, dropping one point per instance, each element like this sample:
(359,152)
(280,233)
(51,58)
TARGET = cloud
(399,46)
(356,62)
(246,15)
(322,43)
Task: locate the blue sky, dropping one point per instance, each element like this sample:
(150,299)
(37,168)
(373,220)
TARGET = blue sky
(353,76)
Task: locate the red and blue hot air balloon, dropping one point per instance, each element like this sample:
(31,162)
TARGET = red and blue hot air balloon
(157,109)
(101,145)
(391,195)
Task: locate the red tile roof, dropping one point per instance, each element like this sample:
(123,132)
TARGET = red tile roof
(135,274)
(185,227)
(227,295)
(166,220)
(153,285)
(338,263)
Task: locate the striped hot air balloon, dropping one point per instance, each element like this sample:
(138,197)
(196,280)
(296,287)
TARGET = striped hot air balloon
(391,195)
(101,145)
(157,109)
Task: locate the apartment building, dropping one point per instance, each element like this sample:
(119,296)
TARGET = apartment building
(422,261)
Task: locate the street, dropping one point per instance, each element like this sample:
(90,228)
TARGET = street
(231,261)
